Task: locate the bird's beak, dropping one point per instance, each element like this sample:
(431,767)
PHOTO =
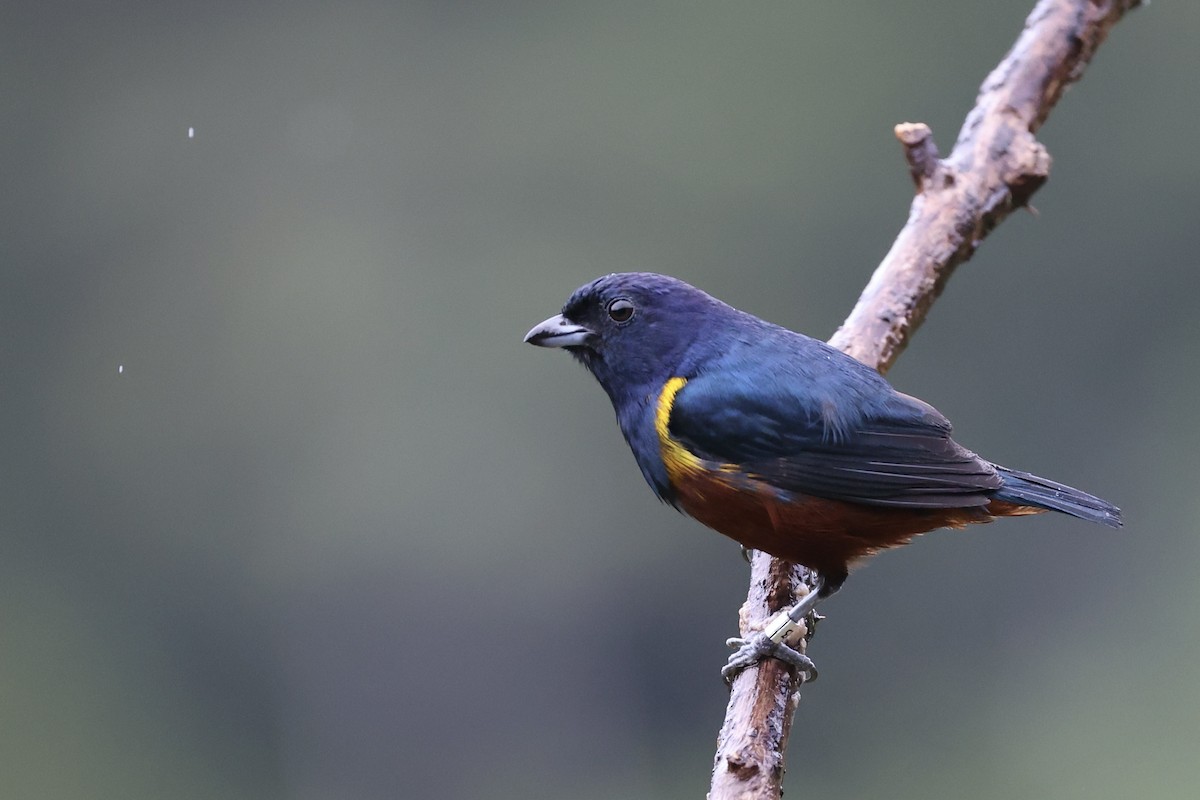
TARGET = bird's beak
(558,331)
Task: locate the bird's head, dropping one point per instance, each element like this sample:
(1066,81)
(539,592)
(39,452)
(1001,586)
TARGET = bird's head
(632,330)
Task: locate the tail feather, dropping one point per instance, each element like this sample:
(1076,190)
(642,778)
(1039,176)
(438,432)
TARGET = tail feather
(1030,490)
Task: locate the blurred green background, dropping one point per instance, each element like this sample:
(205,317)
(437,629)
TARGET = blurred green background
(335,532)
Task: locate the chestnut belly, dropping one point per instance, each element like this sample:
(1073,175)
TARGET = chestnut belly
(825,535)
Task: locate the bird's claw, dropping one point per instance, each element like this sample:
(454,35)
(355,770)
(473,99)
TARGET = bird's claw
(759,646)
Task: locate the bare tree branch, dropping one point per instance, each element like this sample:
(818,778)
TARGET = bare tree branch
(994,168)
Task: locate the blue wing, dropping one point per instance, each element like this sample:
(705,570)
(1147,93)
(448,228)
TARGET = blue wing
(831,427)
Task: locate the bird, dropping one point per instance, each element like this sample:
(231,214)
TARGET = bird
(780,441)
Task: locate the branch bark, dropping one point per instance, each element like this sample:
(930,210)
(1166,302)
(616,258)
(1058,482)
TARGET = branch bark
(995,167)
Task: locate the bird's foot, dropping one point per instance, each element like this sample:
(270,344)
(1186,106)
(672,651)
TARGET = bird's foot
(790,625)
(754,649)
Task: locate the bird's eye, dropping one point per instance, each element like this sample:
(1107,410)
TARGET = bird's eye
(620,310)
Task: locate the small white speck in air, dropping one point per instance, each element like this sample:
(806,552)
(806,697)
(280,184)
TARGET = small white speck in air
(191,133)
(120,368)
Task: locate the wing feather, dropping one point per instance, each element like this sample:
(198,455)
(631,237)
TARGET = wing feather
(838,434)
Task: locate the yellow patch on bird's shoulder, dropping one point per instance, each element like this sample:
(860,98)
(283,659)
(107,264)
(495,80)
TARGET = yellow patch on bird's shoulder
(677,458)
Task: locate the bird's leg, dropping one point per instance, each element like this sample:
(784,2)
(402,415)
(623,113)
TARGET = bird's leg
(773,640)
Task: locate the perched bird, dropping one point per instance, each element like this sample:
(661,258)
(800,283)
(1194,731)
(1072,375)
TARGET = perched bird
(780,441)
